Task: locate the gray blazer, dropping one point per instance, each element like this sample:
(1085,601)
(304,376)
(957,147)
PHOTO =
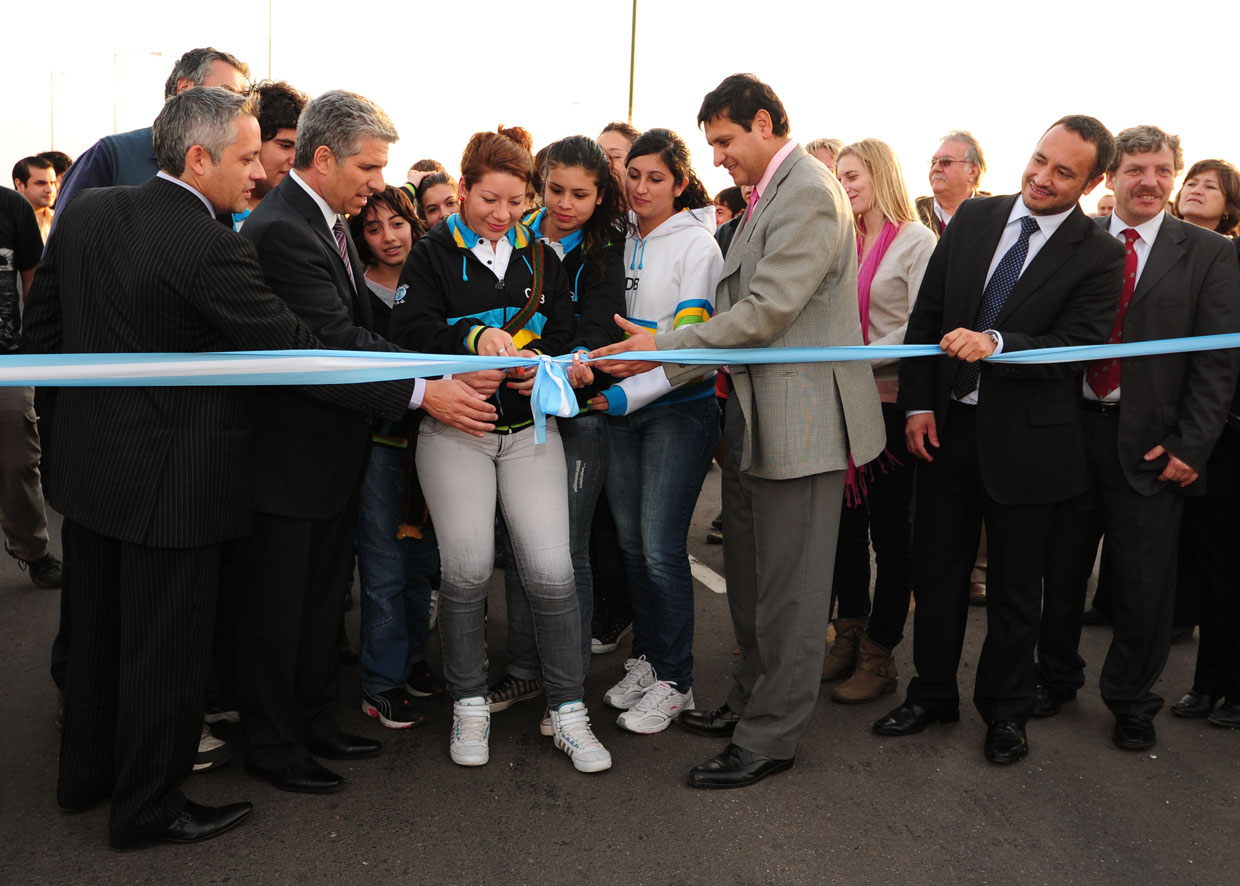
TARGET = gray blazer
(790,281)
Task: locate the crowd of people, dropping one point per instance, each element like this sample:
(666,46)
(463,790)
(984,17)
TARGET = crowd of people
(210,535)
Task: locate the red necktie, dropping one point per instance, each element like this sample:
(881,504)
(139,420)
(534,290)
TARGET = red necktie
(1103,375)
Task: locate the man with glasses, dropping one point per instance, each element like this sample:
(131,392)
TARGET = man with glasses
(956,170)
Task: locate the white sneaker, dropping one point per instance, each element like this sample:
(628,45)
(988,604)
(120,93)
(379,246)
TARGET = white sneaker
(471,728)
(545,727)
(574,737)
(652,713)
(639,678)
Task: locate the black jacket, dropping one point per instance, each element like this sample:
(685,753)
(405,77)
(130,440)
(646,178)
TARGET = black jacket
(447,296)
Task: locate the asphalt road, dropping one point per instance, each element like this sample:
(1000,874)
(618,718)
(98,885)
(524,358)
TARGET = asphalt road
(854,809)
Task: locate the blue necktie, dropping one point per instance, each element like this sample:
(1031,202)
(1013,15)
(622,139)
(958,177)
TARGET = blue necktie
(1002,281)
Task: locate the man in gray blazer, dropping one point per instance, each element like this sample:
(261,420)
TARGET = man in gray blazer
(789,281)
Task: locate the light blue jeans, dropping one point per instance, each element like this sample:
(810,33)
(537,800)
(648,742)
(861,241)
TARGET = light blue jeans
(463,478)
(586,454)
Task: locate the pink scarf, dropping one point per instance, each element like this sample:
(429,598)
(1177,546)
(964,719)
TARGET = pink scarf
(855,479)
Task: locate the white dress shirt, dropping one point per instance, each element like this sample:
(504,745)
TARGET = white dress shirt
(1147,233)
(197,193)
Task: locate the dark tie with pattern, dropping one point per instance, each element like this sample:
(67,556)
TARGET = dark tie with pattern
(343,247)
(1103,375)
(993,296)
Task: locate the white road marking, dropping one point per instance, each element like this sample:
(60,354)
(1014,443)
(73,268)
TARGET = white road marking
(707,576)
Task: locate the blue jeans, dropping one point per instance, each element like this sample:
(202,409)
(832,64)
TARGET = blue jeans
(395,573)
(464,479)
(659,458)
(586,454)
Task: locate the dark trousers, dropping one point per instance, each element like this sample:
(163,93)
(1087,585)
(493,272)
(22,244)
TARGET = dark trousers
(288,665)
(884,518)
(951,502)
(611,589)
(142,621)
(1142,534)
(1213,536)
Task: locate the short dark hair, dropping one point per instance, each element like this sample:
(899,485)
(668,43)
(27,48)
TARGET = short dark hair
(428,165)
(279,107)
(196,64)
(739,98)
(59,159)
(628,130)
(21,169)
(391,198)
(731,198)
(1091,130)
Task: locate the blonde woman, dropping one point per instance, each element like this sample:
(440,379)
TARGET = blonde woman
(892,251)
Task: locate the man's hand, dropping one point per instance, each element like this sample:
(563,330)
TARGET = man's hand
(918,430)
(1176,471)
(485,381)
(455,403)
(967,345)
(639,340)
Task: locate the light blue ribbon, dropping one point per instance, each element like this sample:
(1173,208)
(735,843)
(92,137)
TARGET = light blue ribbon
(552,394)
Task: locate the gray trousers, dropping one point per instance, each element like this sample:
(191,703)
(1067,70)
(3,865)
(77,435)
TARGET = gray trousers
(779,558)
(22,513)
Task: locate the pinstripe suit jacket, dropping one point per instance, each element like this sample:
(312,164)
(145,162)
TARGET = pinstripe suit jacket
(790,281)
(310,454)
(148,269)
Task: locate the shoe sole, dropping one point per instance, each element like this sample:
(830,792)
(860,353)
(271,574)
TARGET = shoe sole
(545,728)
(220,757)
(945,719)
(784,766)
(611,645)
(419,693)
(471,761)
(644,731)
(588,767)
(1003,761)
(621,705)
(1124,745)
(886,690)
(371,711)
(697,730)
(1222,724)
(497,706)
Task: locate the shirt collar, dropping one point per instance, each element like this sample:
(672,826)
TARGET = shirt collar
(197,193)
(467,239)
(329,215)
(1147,231)
(1047,224)
(780,156)
(534,222)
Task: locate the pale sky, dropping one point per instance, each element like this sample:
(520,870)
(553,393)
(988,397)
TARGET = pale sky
(903,72)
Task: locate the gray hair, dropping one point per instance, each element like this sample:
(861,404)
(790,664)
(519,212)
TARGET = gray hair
(834,145)
(201,116)
(1143,140)
(195,65)
(340,120)
(972,149)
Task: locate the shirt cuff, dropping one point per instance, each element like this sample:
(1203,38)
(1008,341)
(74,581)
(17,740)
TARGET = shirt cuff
(998,336)
(419,393)
(913,412)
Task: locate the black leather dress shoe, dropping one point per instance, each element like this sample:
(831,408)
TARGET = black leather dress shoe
(1194,704)
(1226,715)
(1005,742)
(735,768)
(910,718)
(304,777)
(1133,732)
(719,723)
(1092,616)
(1047,702)
(197,823)
(347,747)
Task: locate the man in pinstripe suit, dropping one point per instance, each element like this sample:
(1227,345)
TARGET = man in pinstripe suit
(153,481)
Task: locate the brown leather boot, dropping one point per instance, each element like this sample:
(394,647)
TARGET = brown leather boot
(876,675)
(842,656)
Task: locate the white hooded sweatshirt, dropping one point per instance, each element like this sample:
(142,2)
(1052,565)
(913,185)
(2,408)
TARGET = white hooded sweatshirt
(670,279)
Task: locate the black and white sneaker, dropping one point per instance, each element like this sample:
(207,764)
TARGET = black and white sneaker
(394,708)
(212,752)
(422,683)
(511,690)
(607,636)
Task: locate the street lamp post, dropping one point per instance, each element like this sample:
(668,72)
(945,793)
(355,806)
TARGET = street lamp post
(115,56)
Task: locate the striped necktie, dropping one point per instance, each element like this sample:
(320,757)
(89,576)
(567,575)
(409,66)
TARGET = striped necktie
(342,247)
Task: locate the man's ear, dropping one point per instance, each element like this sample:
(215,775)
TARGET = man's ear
(323,160)
(762,123)
(198,160)
(1093,184)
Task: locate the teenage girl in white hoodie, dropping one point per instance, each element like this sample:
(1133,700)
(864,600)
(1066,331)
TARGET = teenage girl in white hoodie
(662,438)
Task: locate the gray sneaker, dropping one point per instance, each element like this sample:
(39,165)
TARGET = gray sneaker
(511,690)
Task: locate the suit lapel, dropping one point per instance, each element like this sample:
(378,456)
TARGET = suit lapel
(1167,250)
(733,259)
(982,243)
(309,210)
(1057,250)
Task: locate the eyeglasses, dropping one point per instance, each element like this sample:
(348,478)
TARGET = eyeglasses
(946,162)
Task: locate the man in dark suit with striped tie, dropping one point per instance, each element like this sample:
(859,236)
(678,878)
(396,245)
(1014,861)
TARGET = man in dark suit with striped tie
(1010,273)
(153,481)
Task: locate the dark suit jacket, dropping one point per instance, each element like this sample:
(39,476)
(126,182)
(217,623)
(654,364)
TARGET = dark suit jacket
(148,269)
(1029,438)
(1190,285)
(309,455)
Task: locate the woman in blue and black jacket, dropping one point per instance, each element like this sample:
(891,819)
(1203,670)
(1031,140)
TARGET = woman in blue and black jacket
(481,283)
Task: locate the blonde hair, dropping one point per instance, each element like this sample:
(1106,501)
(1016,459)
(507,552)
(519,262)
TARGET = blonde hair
(890,192)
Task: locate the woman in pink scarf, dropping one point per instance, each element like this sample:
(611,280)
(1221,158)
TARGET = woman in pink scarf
(892,251)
